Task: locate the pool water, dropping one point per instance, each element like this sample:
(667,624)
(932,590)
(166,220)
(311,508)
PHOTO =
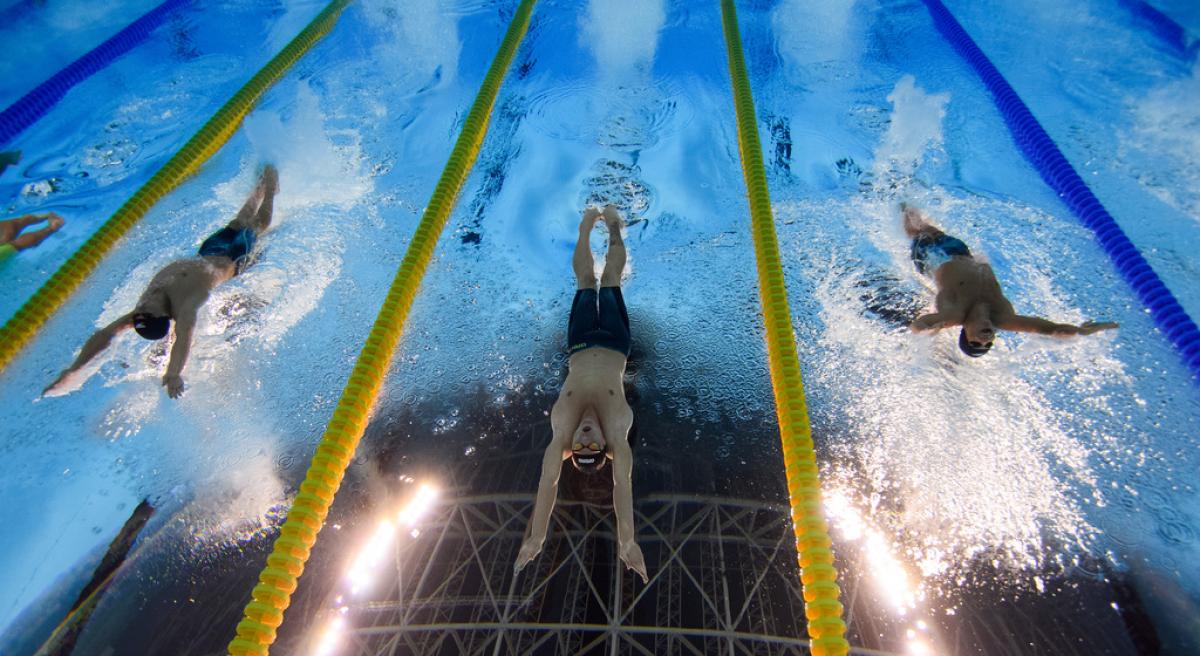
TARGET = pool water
(1039,500)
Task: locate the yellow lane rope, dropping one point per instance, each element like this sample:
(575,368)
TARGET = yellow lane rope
(818,575)
(264,613)
(20,329)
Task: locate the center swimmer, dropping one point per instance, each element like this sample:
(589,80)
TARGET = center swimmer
(179,289)
(591,419)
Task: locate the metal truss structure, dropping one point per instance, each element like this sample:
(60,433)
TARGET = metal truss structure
(724,582)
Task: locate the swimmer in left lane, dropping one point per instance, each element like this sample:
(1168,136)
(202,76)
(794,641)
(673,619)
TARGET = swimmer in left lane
(179,289)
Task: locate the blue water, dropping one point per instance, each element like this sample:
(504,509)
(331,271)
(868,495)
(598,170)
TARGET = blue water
(1045,459)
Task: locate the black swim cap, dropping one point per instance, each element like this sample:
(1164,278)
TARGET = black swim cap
(973,351)
(589,463)
(151,327)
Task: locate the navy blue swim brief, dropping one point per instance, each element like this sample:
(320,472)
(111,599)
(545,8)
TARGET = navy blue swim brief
(233,243)
(929,252)
(598,319)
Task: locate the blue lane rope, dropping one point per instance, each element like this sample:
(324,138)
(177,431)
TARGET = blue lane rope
(34,105)
(1054,168)
(1174,34)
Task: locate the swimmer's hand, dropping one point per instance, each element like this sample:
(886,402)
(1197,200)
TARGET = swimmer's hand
(927,323)
(529,550)
(631,555)
(1096,326)
(66,382)
(174,385)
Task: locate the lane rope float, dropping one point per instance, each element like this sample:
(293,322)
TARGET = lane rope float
(826,629)
(34,105)
(20,329)
(1044,155)
(278,580)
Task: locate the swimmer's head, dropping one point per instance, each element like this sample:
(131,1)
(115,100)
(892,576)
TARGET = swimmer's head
(977,334)
(589,449)
(971,347)
(151,327)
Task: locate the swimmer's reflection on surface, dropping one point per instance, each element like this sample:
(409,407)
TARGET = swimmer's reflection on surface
(591,419)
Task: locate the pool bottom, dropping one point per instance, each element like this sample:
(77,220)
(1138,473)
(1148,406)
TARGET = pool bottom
(717,540)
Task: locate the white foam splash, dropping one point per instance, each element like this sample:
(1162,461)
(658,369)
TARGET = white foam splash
(800,45)
(622,34)
(422,39)
(1167,128)
(914,131)
(958,458)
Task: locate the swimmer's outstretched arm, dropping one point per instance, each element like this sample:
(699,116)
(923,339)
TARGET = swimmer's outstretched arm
(185,324)
(928,323)
(95,344)
(622,456)
(1039,326)
(552,462)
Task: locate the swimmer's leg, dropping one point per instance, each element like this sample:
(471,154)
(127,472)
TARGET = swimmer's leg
(30,239)
(256,212)
(10,228)
(581,262)
(925,237)
(614,261)
(269,183)
(915,224)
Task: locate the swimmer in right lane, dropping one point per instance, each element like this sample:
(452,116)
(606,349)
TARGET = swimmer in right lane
(969,294)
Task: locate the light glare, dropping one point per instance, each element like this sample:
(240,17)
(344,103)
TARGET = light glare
(420,504)
(331,638)
(362,572)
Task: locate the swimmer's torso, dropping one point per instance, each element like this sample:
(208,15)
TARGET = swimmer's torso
(595,378)
(965,281)
(186,282)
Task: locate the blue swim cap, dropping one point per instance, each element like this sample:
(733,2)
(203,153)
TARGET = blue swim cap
(151,327)
(973,351)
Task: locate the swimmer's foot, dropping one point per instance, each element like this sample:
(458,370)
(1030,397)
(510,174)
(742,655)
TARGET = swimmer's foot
(268,181)
(914,222)
(590,217)
(54,222)
(612,218)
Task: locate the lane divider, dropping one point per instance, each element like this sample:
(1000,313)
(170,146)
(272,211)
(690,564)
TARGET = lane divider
(818,576)
(1163,26)
(1054,168)
(272,595)
(20,329)
(34,105)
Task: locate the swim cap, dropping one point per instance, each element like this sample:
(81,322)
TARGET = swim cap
(151,327)
(973,351)
(589,463)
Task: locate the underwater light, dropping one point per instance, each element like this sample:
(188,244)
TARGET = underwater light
(420,504)
(331,638)
(363,571)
